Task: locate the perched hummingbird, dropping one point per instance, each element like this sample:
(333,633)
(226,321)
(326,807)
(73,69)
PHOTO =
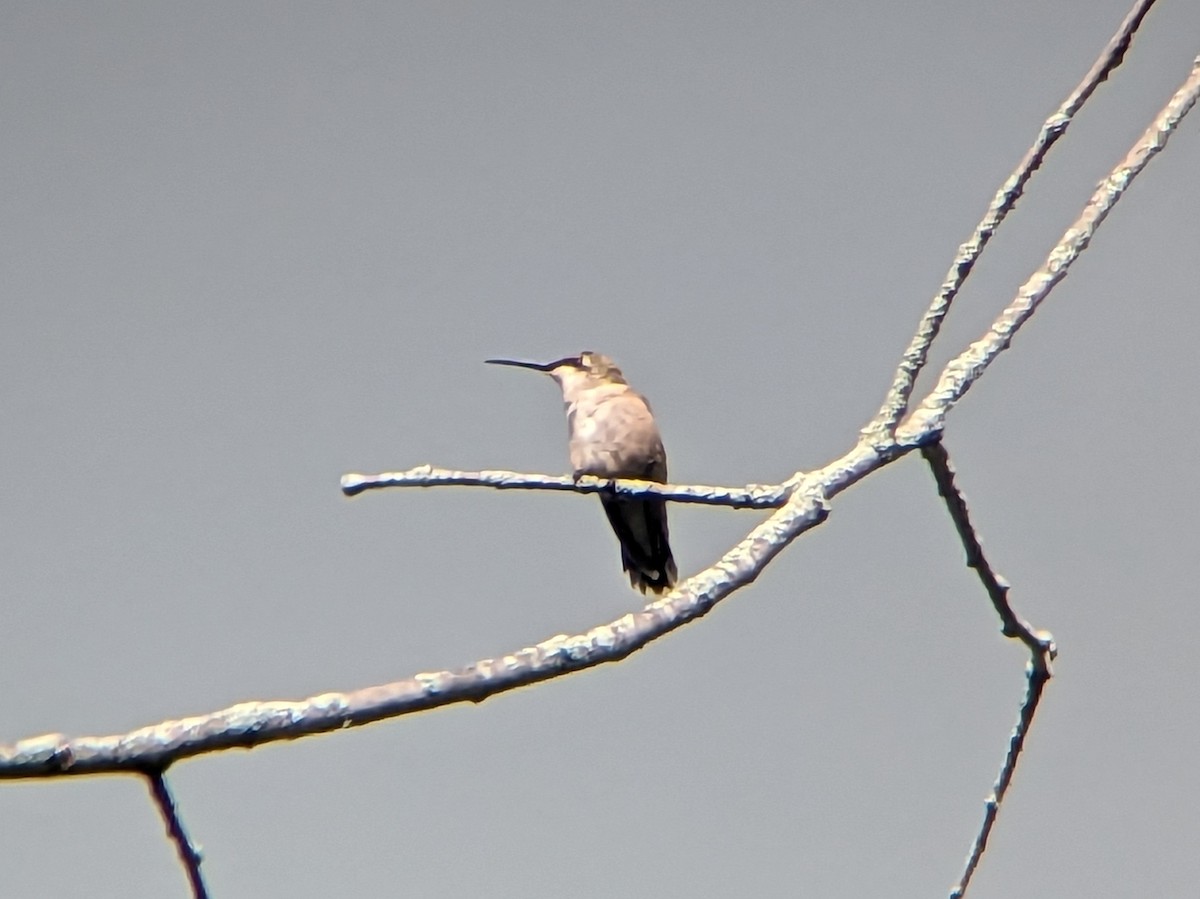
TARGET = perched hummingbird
(613,435)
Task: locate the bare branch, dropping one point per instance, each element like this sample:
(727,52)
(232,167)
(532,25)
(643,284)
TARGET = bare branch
(254,723)
(962,371)
(896,403)
(997,588)
(251,724)
(189,855)
(1037,677)
(1040,644)
(800,503)
(752,496)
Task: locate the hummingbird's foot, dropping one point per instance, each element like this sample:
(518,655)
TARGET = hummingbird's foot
(607,486)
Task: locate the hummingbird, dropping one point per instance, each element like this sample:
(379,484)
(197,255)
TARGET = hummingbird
(611,434)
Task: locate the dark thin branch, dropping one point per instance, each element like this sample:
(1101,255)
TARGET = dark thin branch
(997,588)
(1037,676)
(896,403)
(189,855)
(752,496)
(1039,643)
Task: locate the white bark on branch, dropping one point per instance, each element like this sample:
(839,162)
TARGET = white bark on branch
(962,371)
(752,496)
(913,361)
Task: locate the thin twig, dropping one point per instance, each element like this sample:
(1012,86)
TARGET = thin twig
(189,855)
(997,588)
(1040,644)
(752,496)
(896,403)
(1036,678)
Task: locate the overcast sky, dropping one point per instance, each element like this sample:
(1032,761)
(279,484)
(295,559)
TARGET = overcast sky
(250,247)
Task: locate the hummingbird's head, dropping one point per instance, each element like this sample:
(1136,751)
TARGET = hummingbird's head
(596,366)
(575,373)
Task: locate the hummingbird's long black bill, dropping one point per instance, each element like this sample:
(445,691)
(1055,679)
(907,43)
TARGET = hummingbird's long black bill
(536,366)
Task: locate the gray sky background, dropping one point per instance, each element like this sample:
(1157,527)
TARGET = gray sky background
(248,248)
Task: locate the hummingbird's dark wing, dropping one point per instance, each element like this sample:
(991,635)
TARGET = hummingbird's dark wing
(641,528)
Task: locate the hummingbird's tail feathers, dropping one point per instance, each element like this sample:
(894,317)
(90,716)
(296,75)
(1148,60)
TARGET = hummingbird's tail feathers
(641,528)
(657,581)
